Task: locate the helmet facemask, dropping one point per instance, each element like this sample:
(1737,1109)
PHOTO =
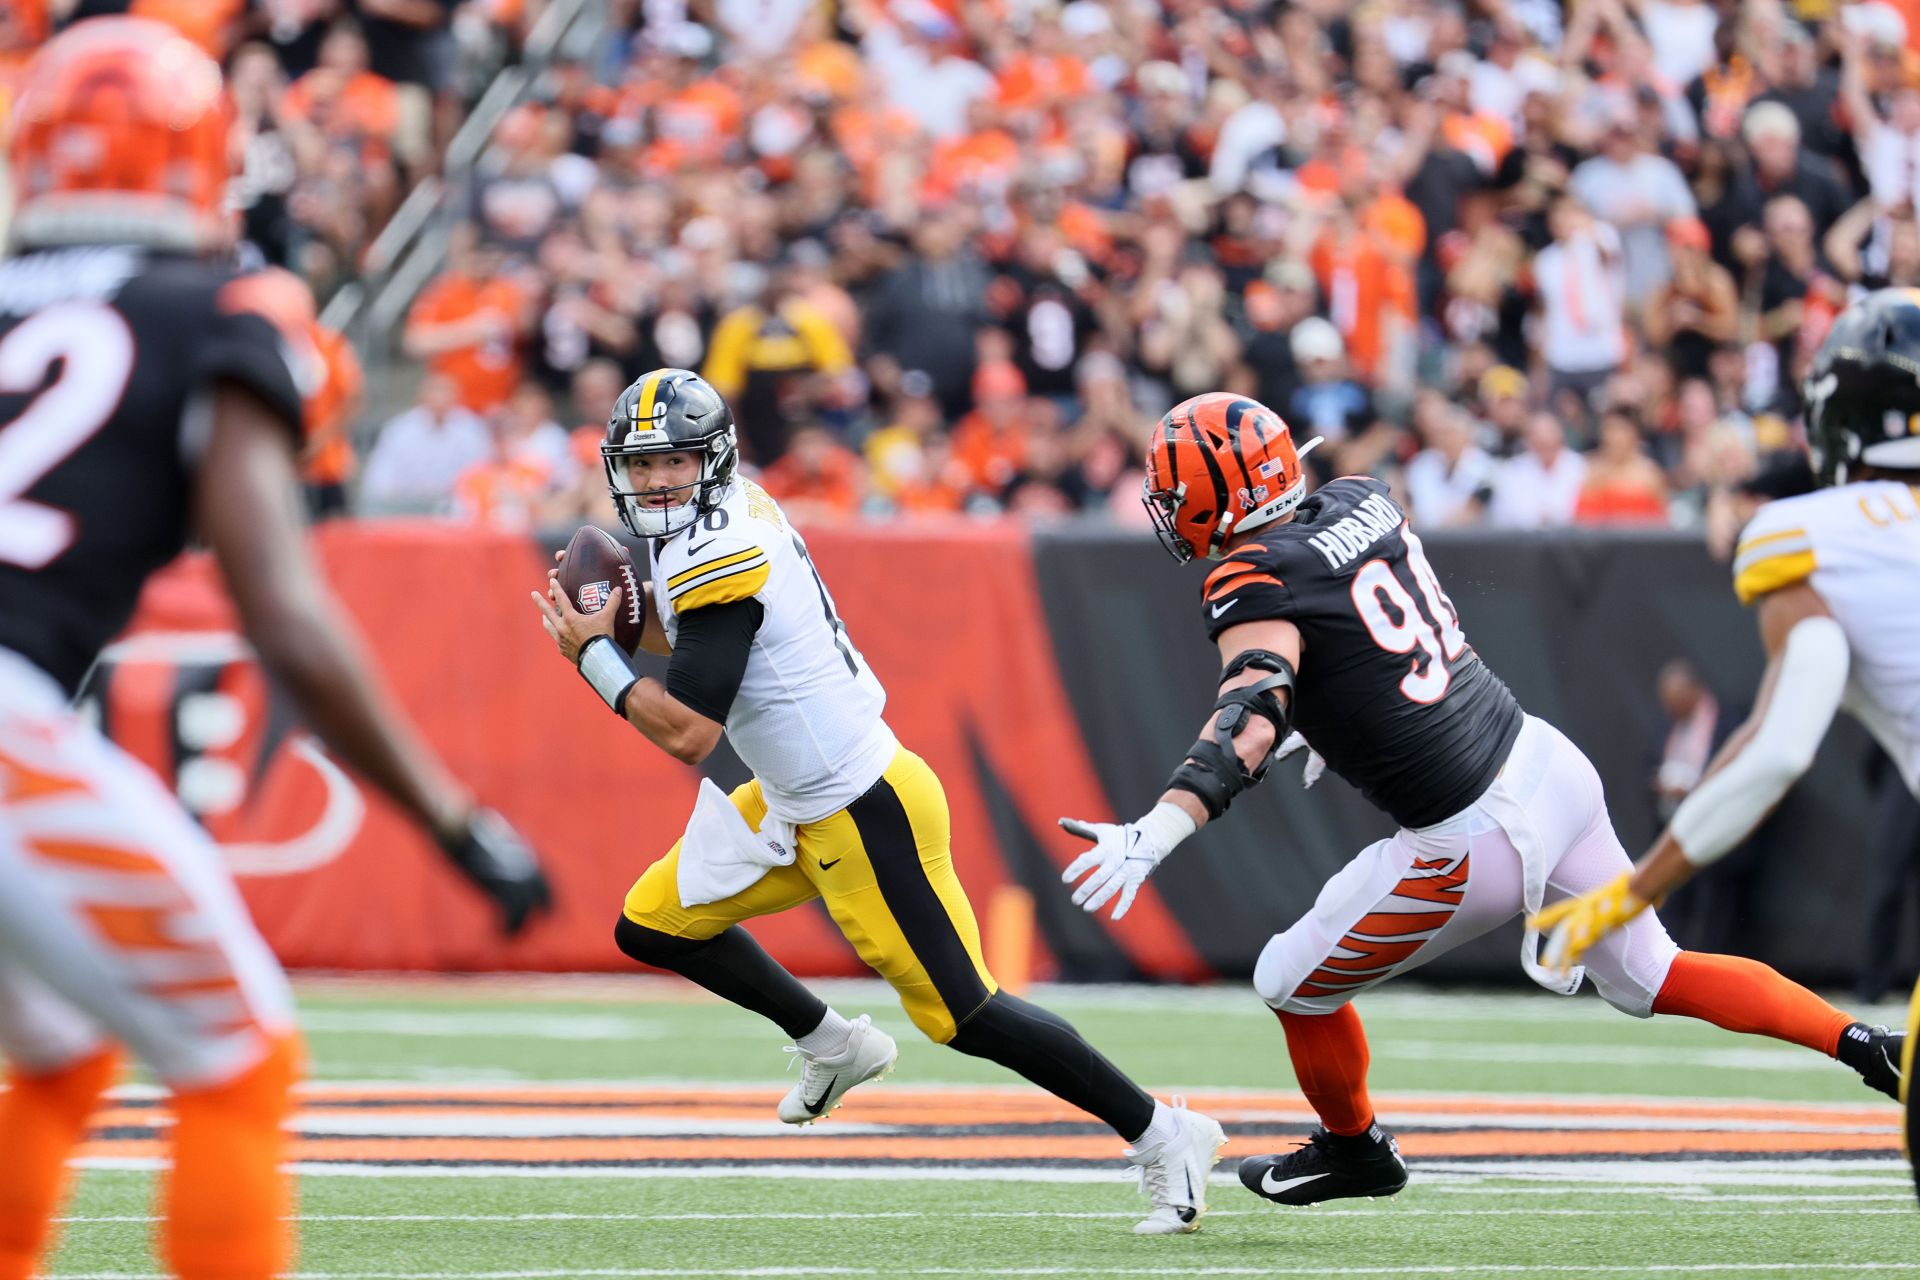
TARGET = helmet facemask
(646,520)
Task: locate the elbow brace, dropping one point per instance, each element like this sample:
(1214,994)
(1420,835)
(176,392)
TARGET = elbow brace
(1724,810)
(1213,770)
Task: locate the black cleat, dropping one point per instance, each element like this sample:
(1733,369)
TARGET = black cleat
(1875,1053)
(1328,1166)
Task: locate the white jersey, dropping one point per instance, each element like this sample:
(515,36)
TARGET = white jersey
(807,717)
(1859,546)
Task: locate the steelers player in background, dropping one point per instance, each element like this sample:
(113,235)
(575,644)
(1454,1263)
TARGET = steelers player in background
(1834,580)
(758,652)
(145,394)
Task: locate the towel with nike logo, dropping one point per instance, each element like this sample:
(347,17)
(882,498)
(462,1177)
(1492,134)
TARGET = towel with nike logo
(1389,692)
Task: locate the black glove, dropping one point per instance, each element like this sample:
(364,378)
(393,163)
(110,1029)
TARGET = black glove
(501,865)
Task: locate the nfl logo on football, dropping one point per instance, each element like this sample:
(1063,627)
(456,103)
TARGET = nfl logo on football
(593,595)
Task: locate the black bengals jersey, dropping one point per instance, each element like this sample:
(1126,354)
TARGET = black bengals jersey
(1390,694)
(102,352)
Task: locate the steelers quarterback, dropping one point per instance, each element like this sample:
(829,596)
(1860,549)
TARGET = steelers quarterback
(836,810)
(1834,580)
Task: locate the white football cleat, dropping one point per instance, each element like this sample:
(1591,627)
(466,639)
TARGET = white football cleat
(870,1054)
(1174,1174)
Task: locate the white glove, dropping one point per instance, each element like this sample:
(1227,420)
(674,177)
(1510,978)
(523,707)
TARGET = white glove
(1123,857)
(1315,765)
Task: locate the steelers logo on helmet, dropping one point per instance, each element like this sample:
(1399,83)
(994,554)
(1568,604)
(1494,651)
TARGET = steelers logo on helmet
(1219,465)
(669,411)
(1862,391)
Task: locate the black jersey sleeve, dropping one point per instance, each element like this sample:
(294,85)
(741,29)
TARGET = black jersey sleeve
(710,655)
(249,340)
(1246,587)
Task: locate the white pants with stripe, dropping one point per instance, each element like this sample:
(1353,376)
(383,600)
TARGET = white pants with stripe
(118,919)
(1420,893)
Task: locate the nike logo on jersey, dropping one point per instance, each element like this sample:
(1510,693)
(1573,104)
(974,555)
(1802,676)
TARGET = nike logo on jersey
(828,866)
(1219,609)
(819,1104)
(1274,1186)
(695,548)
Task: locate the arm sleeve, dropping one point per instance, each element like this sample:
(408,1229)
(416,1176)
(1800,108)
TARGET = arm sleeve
(710,656)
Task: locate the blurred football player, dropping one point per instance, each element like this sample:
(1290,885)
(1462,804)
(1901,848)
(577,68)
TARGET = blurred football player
(759,653)
(1331,624)
(1834,580)
(145,393)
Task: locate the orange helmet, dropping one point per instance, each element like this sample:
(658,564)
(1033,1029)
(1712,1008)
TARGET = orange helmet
(1218,465)
(120,134)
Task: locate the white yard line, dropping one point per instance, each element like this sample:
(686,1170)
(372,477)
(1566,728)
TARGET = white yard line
(1507,1269)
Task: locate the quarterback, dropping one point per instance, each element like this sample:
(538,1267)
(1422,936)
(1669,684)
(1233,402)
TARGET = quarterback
(836,810)
(1331,624)
(1834,580)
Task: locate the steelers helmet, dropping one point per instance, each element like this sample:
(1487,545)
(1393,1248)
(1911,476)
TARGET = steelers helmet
(1863,389)
(668,411)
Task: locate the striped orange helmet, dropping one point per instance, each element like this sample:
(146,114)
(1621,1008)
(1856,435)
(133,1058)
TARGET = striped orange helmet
(1220,464)
(120,134)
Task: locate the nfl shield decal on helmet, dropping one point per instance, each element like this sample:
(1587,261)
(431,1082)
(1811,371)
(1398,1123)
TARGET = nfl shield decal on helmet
(593,595)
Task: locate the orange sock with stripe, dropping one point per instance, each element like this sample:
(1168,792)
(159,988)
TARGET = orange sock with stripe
(42,1118)
(1330,1059)
(1746,996)
(226,1199)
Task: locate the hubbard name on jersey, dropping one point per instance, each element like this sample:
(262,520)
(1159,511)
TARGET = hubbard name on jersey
(1859,547)
(1390,693)
(807,717)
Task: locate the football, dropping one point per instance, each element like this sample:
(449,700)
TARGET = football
(596,563)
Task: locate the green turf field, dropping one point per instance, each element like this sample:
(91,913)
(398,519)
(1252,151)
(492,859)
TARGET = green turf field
(600,1127)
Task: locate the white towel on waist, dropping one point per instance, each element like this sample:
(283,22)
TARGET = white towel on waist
(721,855)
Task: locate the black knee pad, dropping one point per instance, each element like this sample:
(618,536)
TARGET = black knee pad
(650,946)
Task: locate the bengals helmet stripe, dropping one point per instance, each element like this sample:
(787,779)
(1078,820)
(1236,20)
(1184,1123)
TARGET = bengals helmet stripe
(1217,431)
(121,134)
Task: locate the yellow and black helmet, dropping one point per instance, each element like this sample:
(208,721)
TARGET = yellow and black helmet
(1863,389)
(670,411)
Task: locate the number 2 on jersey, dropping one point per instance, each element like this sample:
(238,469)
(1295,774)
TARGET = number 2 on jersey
(1436,634)
(95,351)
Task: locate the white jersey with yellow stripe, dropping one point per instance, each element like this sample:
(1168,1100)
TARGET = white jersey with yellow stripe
(807,717)
(1859,546)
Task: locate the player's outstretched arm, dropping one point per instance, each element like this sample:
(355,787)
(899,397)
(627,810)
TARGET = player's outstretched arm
(1251,717)
(247,508)
(684,715)
(1807,661)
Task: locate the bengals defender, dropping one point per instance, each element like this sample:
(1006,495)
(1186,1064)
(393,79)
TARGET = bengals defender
(1331,624)
(759,653)
(144,394)
(1834,580)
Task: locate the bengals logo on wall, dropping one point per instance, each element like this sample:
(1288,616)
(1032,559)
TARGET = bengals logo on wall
(197,709)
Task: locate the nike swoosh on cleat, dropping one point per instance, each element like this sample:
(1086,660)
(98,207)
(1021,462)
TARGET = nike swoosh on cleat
(814,1108)
(1273,1188)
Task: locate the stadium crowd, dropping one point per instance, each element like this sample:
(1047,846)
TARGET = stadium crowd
(1535,264)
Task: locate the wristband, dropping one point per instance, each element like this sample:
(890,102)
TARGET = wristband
(1165,826)
(605,668)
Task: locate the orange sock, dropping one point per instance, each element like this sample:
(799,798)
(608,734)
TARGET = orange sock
(42,1118)
(1746,996)
(1330,1058)
(226,1198)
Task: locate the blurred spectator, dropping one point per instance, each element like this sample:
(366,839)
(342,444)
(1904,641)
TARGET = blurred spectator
(1578,280)
(1698,307)
(418,455)
(776,361)
(991,442)
(1538,488)
(1623,485)
(1450,481)
(912,467)
(468,325)
(925,313)
(1329,402)
(1638,193)
(817,479)
(1503,403)
(1274,307)
(584,499)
